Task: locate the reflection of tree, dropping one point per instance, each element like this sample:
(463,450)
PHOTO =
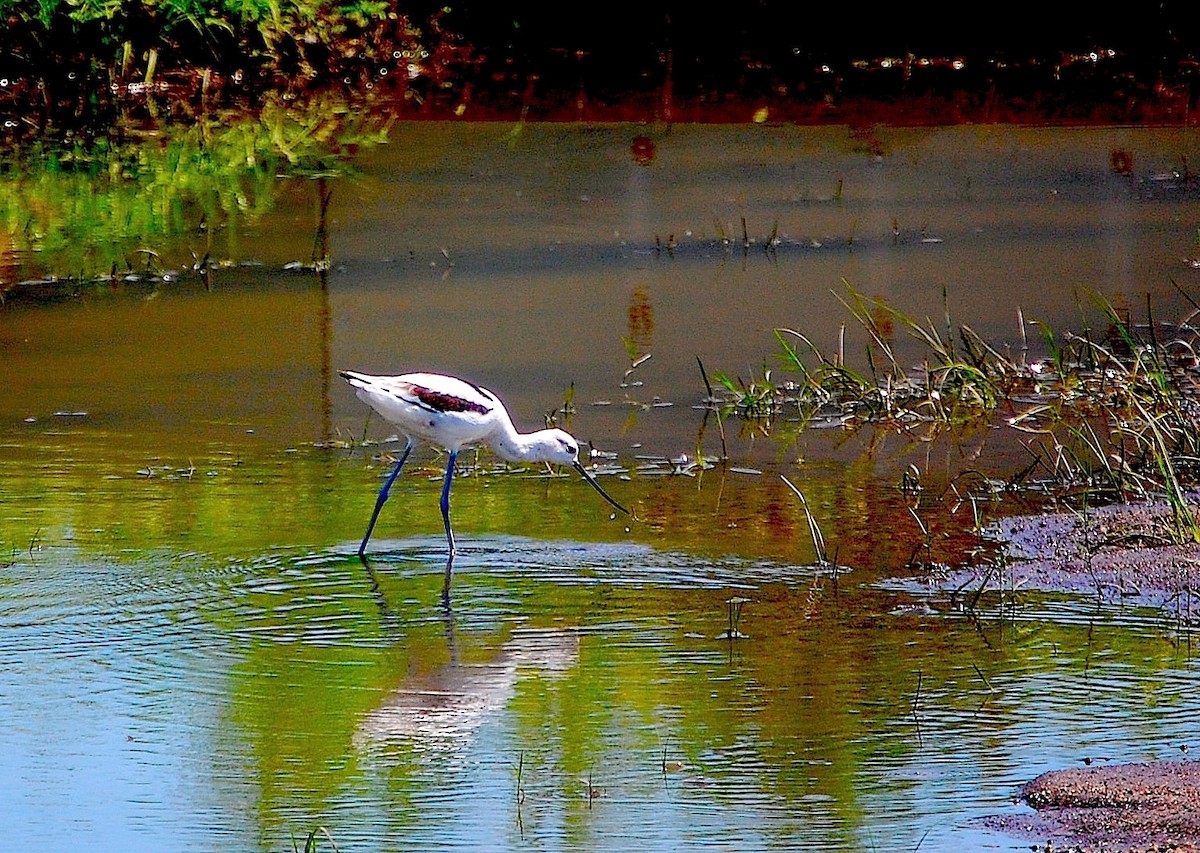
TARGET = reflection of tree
(320,260)
(804,733)
(74,67)
(640,339)
(88,210)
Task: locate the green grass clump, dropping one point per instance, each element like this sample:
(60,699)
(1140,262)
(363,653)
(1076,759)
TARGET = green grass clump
(77,67)
(1112,414)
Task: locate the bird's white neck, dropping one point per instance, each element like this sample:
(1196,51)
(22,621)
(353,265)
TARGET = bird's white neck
(513,446)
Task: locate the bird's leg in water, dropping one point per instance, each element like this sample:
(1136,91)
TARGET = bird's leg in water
(383,495)
(446,500)
(446,582)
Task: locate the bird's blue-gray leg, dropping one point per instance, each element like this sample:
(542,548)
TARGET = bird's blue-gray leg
(446,499)
(383,495)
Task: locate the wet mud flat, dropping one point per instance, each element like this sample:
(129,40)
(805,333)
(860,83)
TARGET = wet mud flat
(1118,552)
(1118,809)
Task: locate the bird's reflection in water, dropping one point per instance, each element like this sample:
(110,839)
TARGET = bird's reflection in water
(446,706)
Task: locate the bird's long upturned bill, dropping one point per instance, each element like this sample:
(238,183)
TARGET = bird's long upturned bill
(583,471)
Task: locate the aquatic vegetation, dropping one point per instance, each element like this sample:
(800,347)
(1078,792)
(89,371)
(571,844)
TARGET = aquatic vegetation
(814,528)
(1129,407)
(756,399)
(310,842)
(73,67)
(1112,414)
(956,384)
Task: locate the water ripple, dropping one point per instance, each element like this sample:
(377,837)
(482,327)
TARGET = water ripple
(567,562)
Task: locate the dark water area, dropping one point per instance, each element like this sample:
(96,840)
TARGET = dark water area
(195,658)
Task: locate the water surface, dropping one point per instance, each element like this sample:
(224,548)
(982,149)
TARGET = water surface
(194,658)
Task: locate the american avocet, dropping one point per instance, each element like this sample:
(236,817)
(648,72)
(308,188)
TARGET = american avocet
(452,413)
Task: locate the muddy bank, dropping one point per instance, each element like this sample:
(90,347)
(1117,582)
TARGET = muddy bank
(1117,809)
(1122,552)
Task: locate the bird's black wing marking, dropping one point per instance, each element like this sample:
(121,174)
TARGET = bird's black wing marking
(483,392)
(436,401)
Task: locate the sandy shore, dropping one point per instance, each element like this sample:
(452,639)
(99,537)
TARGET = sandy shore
(1123,553)
(1123,550)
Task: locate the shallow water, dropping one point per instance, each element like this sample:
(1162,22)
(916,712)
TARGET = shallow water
(193,658)
(160,700)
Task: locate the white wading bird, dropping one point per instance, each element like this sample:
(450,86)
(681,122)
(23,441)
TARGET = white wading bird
(452,413)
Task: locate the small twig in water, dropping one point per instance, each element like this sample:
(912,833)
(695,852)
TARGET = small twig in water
(915,703)
(922,840)
(712,400)
(983,678)
(735,617)
(704,375)
(520,771)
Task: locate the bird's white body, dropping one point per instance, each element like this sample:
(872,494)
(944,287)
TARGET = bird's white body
(453,414)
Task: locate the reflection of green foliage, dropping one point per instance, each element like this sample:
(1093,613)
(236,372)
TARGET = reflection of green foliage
(85,209)
(812,717)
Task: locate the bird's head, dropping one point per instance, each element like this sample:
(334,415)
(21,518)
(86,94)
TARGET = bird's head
(558,447)
(562,449)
